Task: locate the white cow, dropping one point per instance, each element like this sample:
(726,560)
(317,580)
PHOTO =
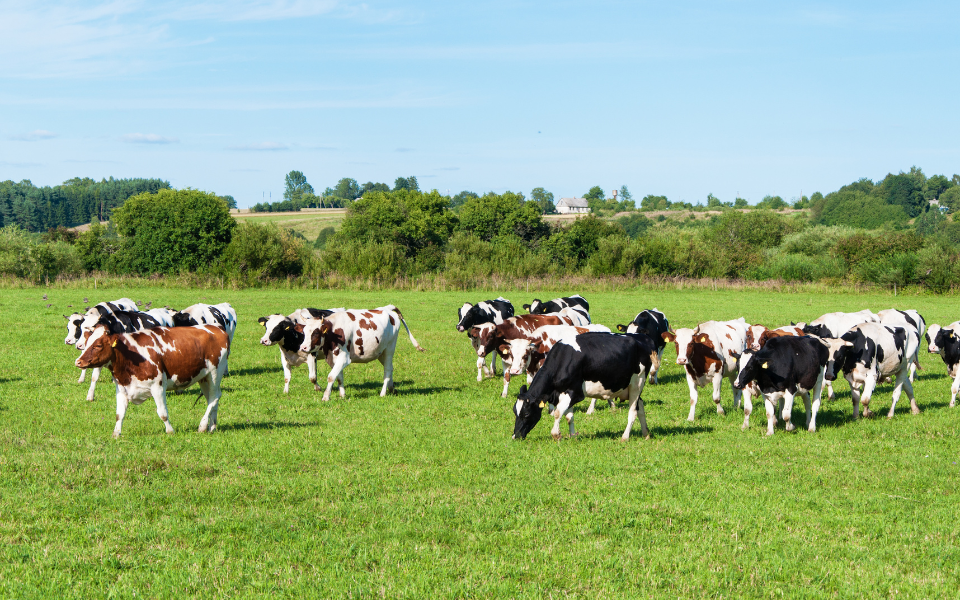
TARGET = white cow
(357,336)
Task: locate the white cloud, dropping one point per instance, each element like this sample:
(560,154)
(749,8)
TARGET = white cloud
(262,147)
(148,138)
(36,134)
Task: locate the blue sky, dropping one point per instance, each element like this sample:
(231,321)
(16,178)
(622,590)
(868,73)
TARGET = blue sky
(681,99)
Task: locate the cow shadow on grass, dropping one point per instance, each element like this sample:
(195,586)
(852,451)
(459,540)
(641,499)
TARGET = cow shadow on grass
(253,371)
(655,431)
(264,425)
(10,379)
(666,378)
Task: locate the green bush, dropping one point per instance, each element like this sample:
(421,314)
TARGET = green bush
(376,260)
(894,269)
(858,209)
(22,255)
(325,234)
(816,240)
(610,257)
(938,268)
(871,247)
(260,251)
(796,267)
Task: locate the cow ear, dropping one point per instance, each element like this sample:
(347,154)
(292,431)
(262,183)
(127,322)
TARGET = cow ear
(526,306)
(702,339)
(262,320)
(325,328)
(765,365)
(503,348)
(523,389)
(736,355)
(669,336)
(622,328)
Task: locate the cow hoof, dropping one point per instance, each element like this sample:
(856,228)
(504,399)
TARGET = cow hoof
(116,435)
(812,429)
(914,411)
(690,419)
(867,413)
(953,403)
(556,436)
(790,427)
(590,411)
(720,410)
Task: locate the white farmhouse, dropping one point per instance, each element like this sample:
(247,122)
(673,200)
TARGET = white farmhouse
(572,205)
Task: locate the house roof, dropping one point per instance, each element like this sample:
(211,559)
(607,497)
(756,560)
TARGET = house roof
(573,202)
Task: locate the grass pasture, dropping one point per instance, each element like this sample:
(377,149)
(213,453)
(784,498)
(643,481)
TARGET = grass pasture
(307,223)
(424,494)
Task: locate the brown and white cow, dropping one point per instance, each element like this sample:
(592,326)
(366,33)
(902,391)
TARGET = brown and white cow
(287,333)
(147,363)
(357,336)
(709,353)
(489,339)
(785,331)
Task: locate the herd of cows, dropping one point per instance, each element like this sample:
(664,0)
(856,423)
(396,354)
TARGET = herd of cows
(564,356)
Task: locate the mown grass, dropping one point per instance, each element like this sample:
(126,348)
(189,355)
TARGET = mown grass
(306,224)
(424,494)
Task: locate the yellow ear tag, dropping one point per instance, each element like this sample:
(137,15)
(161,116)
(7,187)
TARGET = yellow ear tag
(764,365)
(703,338)
(542,404)
(114,344)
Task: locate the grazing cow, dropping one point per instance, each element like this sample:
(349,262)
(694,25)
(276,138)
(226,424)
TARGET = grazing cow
(833,325)
(488,311)
(906,318)
(596,365)
(490,337)
(147,363)
(709,353)
(556,305)
(871,353)
(357,336)
(945,341)
(222,315)
(287,333)
(653,323)
(784,367)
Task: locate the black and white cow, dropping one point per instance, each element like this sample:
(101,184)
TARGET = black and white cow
(833,325)
(782,369)
(287,333)
(163,315)
(869,354)
(473,315)
(596,365)
(945,341)
(78,323)
(906,318)
(222,315)
(653,323)
(122,321)
(557,304)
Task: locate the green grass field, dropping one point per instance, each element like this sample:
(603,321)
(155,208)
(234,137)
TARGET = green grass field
(424,494)
(307,224)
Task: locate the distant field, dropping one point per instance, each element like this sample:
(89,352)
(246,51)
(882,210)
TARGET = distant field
(307,222)
(425,495)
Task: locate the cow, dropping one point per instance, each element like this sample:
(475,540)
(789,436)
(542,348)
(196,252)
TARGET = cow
(708,353)
(222,315)
(78,323)
(604,365)
(473,315)
(163,315)
(785,367)
(945,341)
(556,305)
(653,323)
(121,321)
(833,325)
(754,333)
(871,353)
(490,337)
(906,318)
(147,363)
(287,333)
(357,336)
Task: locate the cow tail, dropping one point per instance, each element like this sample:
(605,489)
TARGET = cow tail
(412,339)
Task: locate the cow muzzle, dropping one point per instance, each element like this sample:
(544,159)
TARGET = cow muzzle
(461,328)
(681,360)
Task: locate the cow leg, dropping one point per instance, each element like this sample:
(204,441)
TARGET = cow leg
(655,376)
(955,389)
(771,414)
(806,406)
(562,407)
(211,391)
(816,394)
(693,397)
(736,393)
(94,378)
(286,372)
(903,382)
(569,415)
(787,413)
(387,359)
(337,366)
(869,385)
(480,367)
(635,410)
(122,404)
(830,395)
(592,407)
(747,409)
(83,374)
(493,365)
(717,383)
(312,372)
(506,384)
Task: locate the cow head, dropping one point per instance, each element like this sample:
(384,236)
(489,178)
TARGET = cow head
(276,327)
(484,335)
(321,335)
(527,411)
(934,332)
(74,322)
(99,348)
(821,331)
(838,356)
(465,323)
(755,334)
(535,307)
(517,354)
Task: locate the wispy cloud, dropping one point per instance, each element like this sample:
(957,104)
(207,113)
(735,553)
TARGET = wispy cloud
(33,136)
(261,147)
(92,161)
(5,163)
(404,150)
(246,170)
(148,138)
